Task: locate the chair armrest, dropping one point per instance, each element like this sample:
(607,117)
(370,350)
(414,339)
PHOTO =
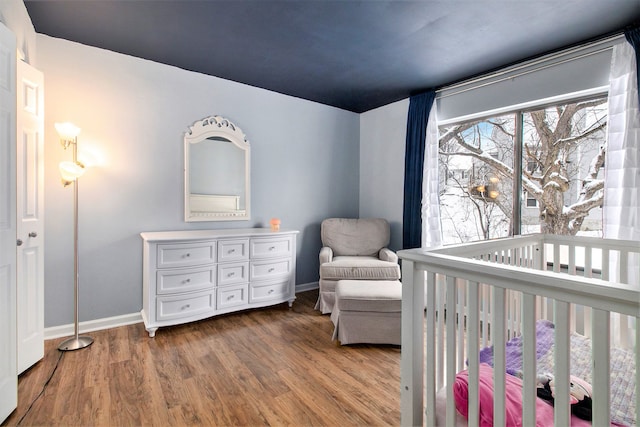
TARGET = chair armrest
(326,254)
(387,254)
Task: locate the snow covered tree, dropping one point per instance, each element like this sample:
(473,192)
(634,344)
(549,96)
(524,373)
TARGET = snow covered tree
(563,155)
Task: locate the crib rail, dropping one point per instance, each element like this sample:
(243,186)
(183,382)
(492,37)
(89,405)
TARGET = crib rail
(484,293)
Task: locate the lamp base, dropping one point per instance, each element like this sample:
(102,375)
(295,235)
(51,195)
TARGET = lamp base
(75,343)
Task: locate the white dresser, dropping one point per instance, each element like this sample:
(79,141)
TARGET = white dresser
(194,274)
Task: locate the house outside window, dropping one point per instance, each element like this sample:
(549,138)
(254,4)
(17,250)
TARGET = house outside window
(531,202)
(553,155)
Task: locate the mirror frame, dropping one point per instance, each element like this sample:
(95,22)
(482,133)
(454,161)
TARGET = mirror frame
(200,131)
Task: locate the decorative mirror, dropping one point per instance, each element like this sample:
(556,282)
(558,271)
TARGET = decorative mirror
(216,171)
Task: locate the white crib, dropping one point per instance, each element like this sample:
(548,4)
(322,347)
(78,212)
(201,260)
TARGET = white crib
(586,286)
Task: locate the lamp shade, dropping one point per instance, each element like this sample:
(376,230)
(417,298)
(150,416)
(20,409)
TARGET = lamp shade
(70,171)
(67,130)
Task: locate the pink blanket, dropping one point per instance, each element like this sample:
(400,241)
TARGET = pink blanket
(513,400)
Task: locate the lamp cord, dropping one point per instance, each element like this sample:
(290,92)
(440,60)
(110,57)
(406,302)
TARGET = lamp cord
(55,368)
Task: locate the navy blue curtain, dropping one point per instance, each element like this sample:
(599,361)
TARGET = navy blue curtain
(633,37)
(419,108)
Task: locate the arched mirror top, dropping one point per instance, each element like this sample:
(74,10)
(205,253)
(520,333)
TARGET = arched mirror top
(216,127)
(217,171)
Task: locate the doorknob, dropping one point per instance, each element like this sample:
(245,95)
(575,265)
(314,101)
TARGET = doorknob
(33,234)
(19,242)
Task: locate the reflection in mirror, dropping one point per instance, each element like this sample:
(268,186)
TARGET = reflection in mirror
(216,171)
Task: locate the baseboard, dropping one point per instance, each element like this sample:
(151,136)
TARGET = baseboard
(92,325)
(303,287)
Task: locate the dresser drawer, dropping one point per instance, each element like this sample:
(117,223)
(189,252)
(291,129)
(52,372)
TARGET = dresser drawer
(233,296)
(267,269)
(233,250)
(184,306)
(235,272)
(185,280)
(268,291)
(273,247)
(183,255)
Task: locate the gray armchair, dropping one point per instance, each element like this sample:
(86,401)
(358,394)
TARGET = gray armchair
(353,249)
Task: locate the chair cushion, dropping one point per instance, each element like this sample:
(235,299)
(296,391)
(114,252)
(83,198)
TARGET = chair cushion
(369,295)
(350,236)
(366,268)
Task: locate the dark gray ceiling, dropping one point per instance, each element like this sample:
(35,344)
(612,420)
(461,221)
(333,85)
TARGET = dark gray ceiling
(355,55)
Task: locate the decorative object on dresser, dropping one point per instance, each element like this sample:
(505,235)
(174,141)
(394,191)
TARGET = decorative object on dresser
(195,274)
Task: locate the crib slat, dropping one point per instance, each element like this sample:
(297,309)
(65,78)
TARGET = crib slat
(588,262)
(529,360)
(562,368)
(440,331)
(605,263)
(451,366)
(485,314)
(572,318)
(623,337)
(498,337)
(518,313)
(572,260)
(461,305)
(430,356)
(473,343)
(624,266)
(429,353)
(556,258)
(601,367)
(587,322)
(540,257)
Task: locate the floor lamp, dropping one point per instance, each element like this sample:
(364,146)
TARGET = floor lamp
(70,172)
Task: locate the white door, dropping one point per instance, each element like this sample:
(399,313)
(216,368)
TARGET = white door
(8,368)
(30,215)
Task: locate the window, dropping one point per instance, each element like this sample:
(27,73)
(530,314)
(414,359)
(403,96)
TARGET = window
(532,202)
(559,150)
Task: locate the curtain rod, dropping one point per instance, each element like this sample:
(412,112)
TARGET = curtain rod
(477,81)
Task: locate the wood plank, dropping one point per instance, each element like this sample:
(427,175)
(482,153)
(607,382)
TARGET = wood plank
(272,366)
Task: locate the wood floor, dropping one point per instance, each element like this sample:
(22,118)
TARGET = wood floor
(274,366)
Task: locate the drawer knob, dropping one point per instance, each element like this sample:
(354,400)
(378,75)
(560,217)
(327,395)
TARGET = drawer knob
(231,251)
(187,281)
(184,307)
(272,248)
(271,270)
(230,297)
(187,255)
(231,274)
(270,291)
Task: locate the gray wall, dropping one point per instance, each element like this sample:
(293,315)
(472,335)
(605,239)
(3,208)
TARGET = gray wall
(382,139)
(133,113)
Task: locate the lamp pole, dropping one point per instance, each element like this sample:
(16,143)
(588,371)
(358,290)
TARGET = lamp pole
(76,342)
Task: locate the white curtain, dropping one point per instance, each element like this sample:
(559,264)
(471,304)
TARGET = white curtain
(431,226)
(622,165)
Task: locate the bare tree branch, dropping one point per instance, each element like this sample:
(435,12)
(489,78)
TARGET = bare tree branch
(556,131)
